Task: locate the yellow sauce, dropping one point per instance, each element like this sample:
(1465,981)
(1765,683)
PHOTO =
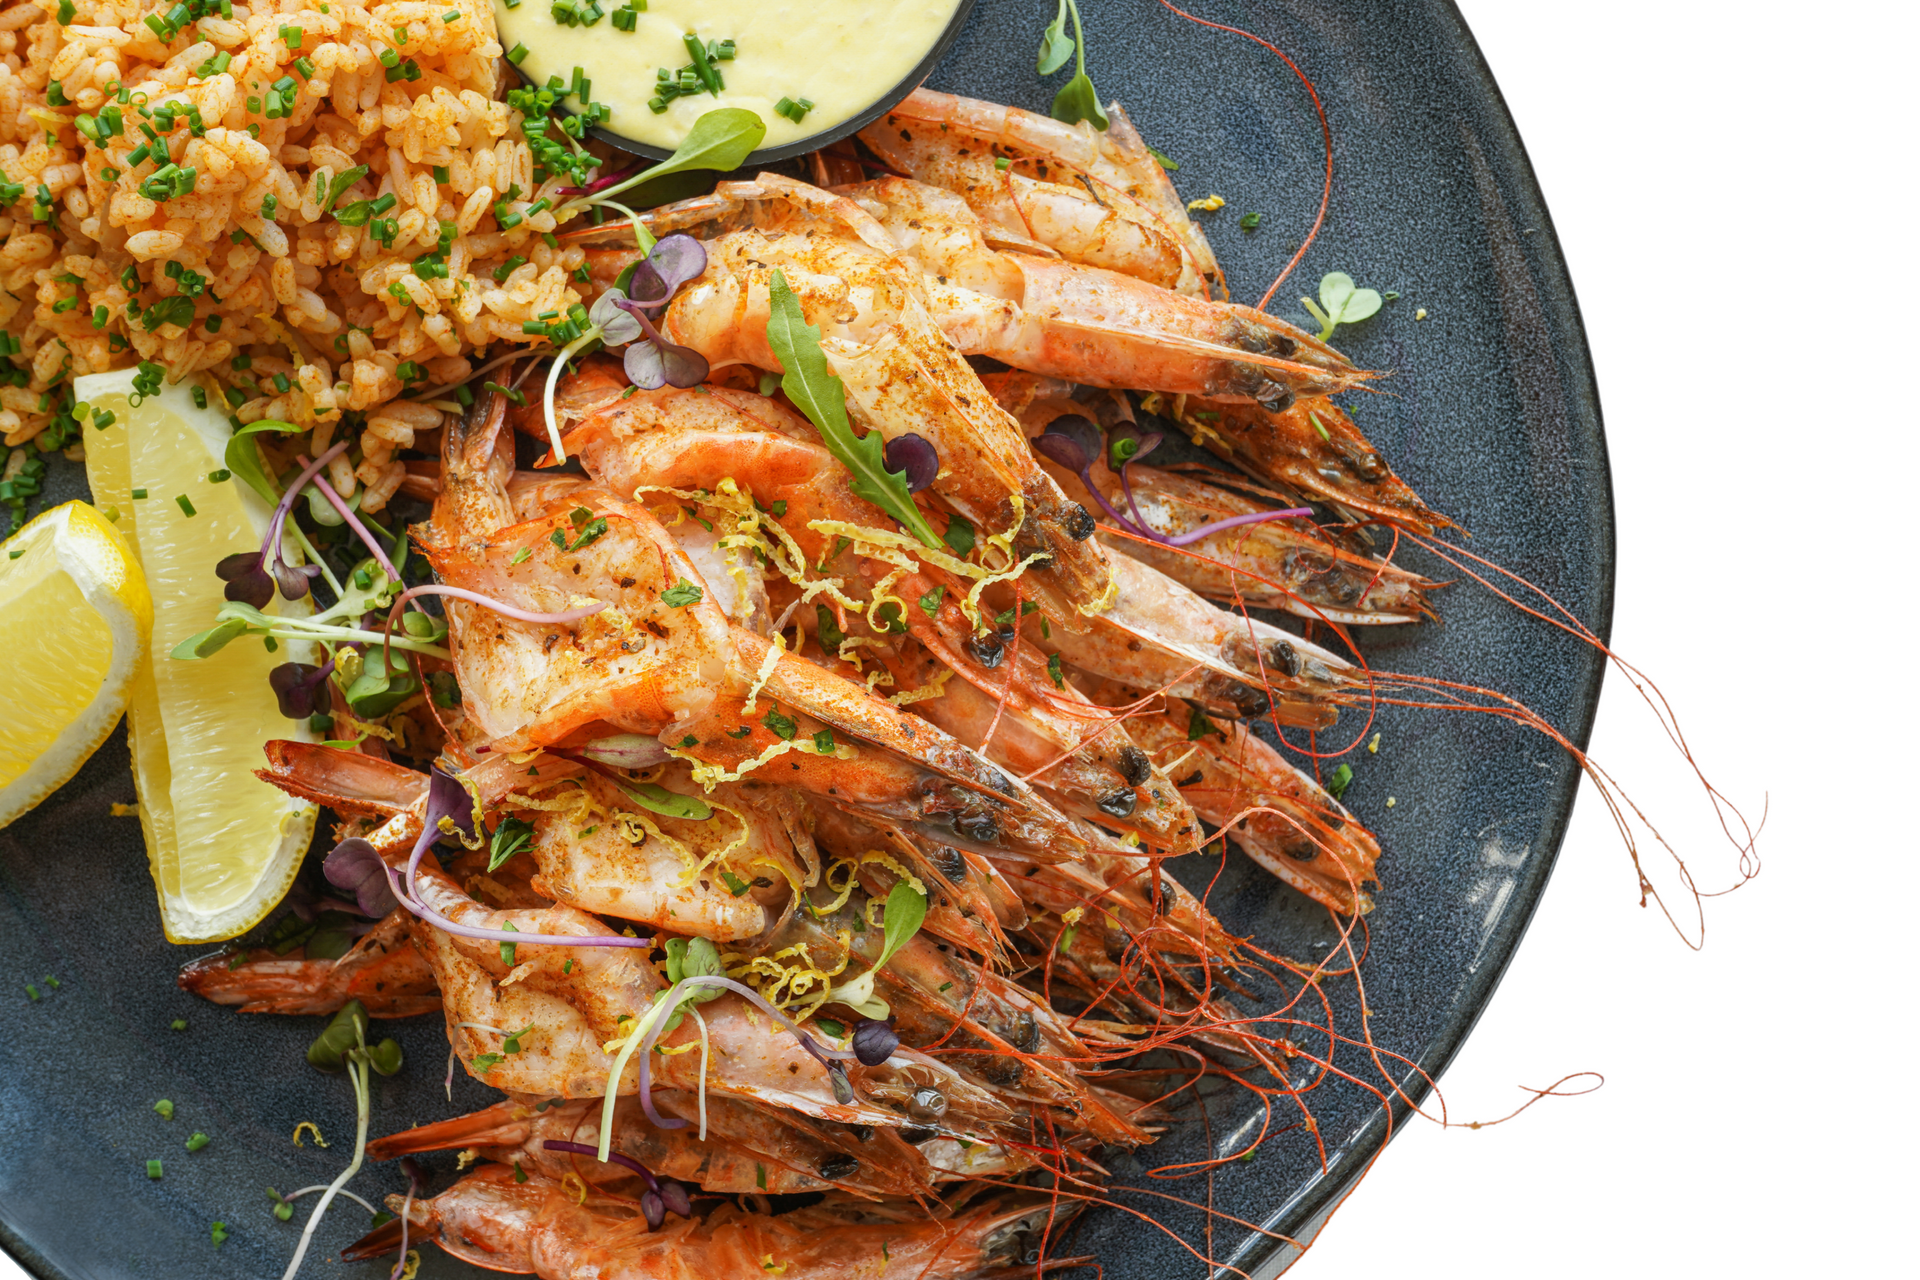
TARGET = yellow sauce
(841,55)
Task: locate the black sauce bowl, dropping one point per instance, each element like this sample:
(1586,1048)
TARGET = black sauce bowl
(813,142)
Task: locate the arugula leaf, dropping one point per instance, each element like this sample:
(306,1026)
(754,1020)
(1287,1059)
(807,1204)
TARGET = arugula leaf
(1343,303)
(509,838)
(721,139)
(820,395)
(1055,47)
(657,799)
(242,456)
(1077,99)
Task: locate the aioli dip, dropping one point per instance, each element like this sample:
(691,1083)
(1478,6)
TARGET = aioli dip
(840,55)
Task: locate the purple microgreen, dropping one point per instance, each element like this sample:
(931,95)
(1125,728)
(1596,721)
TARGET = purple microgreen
(247,578)
(301,689)
(1072,441)
(663,1195)
(914,455)
(874,1040)
(617,328)
(656,362)
(250,578)
(355,866)
(677,259)
(1075,443)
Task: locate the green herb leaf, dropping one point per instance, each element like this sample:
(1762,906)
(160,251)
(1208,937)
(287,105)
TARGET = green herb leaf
(1077,99)
(681,593)
(1165,161)
(823,398)
(1198,726)
(782,727)
(823,742)
(695,958)
(509,838)
(735,885)
(1054,672)
(721,139)
(828,629)
(210,641)
(1343,303)
(838,1030)
(1250,221)
(1055,46)
(930,602)
(959,535)
(242,455)
(657,799)
(905,911)
(1342,779)
(485,1062)
(347,1030)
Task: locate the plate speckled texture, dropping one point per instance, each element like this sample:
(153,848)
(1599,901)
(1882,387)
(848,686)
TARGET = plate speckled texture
(1490,413)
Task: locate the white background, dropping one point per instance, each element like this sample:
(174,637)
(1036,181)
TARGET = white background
(1732,186)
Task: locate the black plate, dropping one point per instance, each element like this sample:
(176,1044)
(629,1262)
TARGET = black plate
(1491,413)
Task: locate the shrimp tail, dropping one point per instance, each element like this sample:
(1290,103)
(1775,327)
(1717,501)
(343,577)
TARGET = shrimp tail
(504,1124)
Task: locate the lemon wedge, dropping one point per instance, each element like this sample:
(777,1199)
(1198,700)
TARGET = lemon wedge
(67,574)
(223,845)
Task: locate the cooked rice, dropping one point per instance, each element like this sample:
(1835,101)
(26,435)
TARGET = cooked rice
(299,295)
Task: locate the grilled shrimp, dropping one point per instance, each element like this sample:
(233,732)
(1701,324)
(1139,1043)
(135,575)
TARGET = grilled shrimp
(1311,445)
(746,1150)
(1283,564)
(1304,837)
(382,971)
(537,1227)
(584,827)
(901,376)
(1163,637)
(1126,218)
(1090,325)
(663,660)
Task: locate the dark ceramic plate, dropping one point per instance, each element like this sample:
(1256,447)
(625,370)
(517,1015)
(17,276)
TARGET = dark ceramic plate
(1491,413)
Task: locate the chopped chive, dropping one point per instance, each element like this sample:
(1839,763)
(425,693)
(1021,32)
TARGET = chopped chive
(139,493)
(164,1108)
(197,1141)
(153,1170)
(517,54)
(185,505)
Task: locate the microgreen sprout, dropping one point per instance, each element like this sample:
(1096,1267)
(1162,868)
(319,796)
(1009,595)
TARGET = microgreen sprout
(251,577)
(906,908)
(343,1045)
(1076,443)
(1342,303)
(618,319)
(1077,99)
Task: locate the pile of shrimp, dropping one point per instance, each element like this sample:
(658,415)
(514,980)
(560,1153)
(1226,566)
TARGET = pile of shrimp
(780,708)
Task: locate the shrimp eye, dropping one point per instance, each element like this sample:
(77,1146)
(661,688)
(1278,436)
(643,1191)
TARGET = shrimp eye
(927,1103)
(916,1135)
(977,827)
(833,1168)
(1303,851)
(1024,1034)
(988,650)
(1134,766)
(1274,398)
(1118,803)
(1169,897)
(948,862)
(1079,523)
(1284,656)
